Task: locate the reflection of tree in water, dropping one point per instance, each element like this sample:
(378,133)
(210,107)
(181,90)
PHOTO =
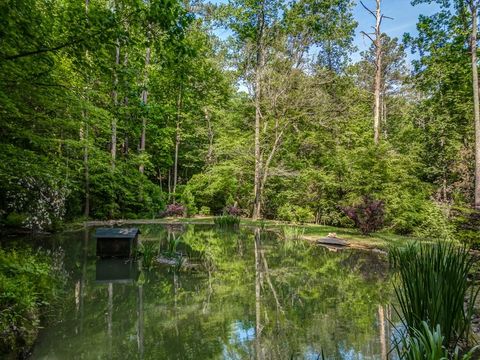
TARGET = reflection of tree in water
(256,297)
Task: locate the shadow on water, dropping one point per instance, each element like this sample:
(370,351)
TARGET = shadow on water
(253,295)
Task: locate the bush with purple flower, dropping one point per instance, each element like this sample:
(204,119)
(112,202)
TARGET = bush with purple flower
(368,216)
(173,210)
(232,210)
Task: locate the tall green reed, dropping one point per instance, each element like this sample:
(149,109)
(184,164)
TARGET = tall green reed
(433,286)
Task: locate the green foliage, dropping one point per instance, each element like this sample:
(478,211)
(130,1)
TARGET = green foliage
(188,200)
(214,187)
(427,344)
(433,285)
(30,282)
(227,221)
(292,233)
(205,211)
(148,252)
(466,224)
(295,213)
(436,225)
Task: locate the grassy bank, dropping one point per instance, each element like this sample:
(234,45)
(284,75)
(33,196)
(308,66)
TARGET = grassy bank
(311,232)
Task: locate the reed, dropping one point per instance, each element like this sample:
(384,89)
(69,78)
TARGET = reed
(227,221)
(433,286)
(148,252)
(292,233)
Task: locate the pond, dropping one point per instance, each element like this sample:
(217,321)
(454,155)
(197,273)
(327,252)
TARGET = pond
(244,294)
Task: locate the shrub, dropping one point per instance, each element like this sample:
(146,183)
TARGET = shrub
(16,220)
(204,210)
(173,210)
(435,225)
(188,200)
(29,283)
(466,223)
(433,285)
(232,210)
(295,213)
(368,216)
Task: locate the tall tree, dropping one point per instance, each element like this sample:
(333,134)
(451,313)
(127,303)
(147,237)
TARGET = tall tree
(377,40)
(447,72)
(473,6)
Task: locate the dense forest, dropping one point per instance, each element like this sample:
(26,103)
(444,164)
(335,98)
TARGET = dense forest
(116,109)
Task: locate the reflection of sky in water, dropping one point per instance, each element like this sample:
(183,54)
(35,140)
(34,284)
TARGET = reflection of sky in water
(240,333)
(240,336)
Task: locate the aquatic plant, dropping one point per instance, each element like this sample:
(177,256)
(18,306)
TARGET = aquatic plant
(172,244)
(292,233)
(227,221)
(427,344)
(148,251)
(432,287)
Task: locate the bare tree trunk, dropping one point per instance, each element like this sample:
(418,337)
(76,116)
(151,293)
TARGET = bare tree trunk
(144,99)
(266,166)
(258,115)
(476,106)
(169,182)
(209,158)
(177,141)
(378,74)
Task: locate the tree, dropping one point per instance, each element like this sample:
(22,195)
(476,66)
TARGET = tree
(377,41)
(264,30)
(446,75)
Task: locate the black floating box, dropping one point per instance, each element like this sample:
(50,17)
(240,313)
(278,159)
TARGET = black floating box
(116,242)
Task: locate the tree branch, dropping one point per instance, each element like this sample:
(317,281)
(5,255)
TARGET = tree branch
(42,50)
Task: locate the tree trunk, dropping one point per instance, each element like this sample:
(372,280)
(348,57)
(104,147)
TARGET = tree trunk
(258,115)
(86,170)
(144,99)
(86,211)
(177,142)
(113,149)
(378,75)
(209,158)
(476,106)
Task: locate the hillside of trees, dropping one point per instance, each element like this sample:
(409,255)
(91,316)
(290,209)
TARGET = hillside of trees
(115,109)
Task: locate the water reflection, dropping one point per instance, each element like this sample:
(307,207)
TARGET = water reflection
(251,295)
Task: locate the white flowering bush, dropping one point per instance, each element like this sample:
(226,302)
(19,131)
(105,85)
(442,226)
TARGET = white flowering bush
(41,201)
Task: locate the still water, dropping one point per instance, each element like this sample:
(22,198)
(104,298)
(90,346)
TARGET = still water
(245,294)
